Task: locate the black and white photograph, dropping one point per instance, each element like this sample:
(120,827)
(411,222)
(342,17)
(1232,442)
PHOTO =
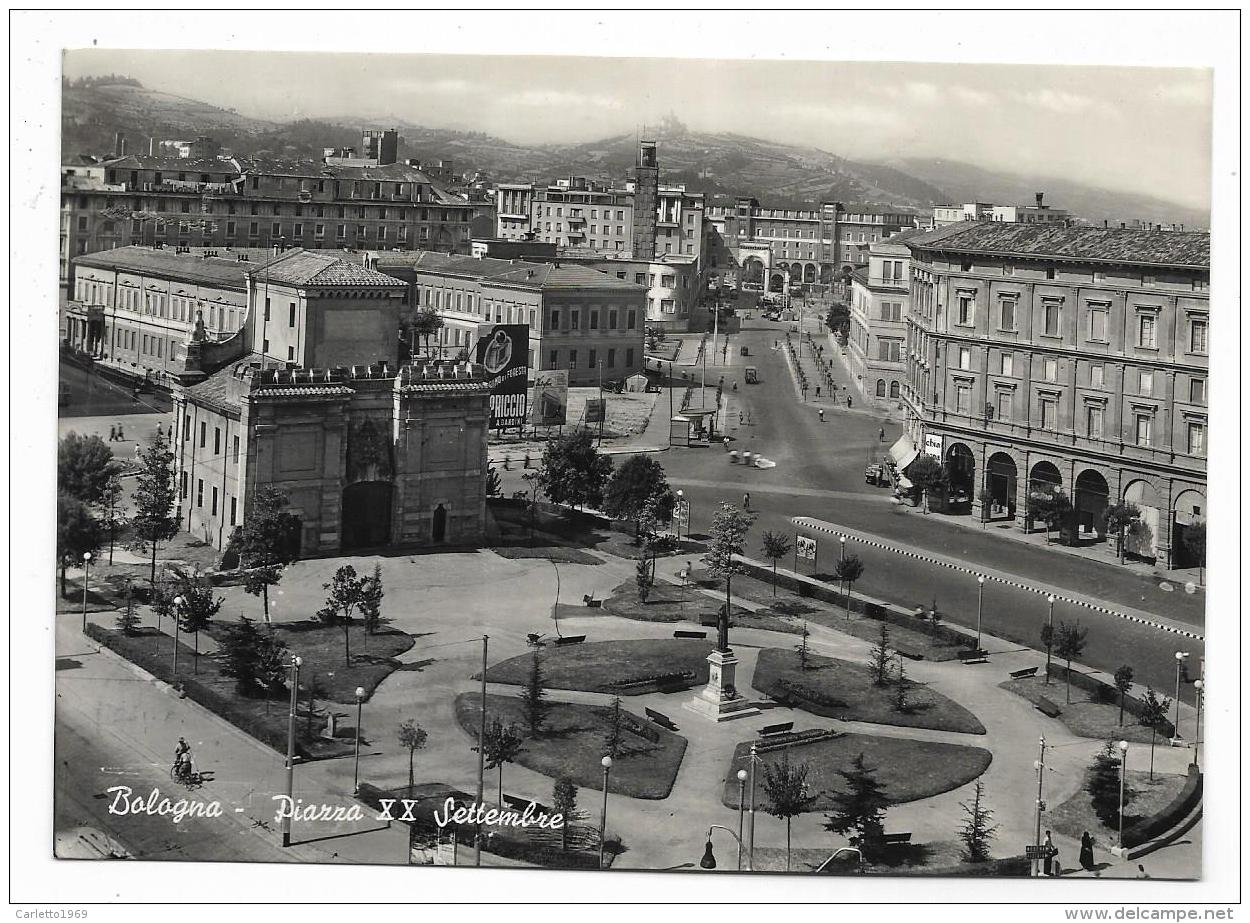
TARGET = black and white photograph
(773,444)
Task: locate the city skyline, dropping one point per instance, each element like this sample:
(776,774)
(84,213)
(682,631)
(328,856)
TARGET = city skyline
(1045,119)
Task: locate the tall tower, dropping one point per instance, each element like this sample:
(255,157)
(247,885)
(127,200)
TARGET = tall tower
(380,145)
(646,200)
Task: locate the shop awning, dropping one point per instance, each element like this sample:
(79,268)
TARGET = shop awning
(903,452)
(904,484)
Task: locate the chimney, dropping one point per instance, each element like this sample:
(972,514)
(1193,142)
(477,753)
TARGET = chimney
(151,147)
(122,146)
(1104,222)
(119,139)
(1121,225)
(1038,196)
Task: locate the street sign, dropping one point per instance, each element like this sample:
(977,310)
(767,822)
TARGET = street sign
(596,409)
(805,547)
(1035,852)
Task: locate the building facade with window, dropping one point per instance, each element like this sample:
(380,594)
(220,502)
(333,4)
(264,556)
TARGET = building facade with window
(1044,357)
(877,339)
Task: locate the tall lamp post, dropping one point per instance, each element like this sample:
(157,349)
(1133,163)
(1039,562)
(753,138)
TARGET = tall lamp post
(980,601)
(709,858)
(179,602)
(606,762)
(360,699)
(296,663)
(742,798)
(1123,745)
(1050,634)
(86,578)
(681,499)
(1181,657)
(842,547)
(751,813)
(1040,765)
(1199,687)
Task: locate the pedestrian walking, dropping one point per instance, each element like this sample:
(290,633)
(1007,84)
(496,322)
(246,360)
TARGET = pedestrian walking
(881,435)
(1087,851)
(121,437)
(746,501)
(1049,851)
(1141,871)
(112,434)
(818,390)
(138,452)
(160,431)
(740,417)
(821,412)
(848,402)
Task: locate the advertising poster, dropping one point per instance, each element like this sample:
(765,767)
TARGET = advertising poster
(504,350)
(551,398)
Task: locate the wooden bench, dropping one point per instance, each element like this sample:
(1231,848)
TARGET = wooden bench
(776,729)
(689,634)
(571,639)
(1048,708)
(1023,674)
(891,839)
(662,720)
(591,602)
(977,656)
(910,655)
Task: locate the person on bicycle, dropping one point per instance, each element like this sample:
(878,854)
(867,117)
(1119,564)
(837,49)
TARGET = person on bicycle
(182,758)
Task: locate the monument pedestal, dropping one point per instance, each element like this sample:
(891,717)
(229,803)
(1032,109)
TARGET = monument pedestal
(720,699)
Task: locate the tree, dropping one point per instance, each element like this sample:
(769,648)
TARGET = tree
(425,324)
(315,691)
(127,620)
(573,471)
(927,476)
(533,697)
(346,590)
(1048,641)
(1103,785)
(785,786)
(1069,644)
(1050,506)
(614,738)
(109,505)
(638,483)
(977,830)
(726,538)
(644,578)
(1195,542)
(564,803)
(238,652)
(272,659)
(494,483)
(1123,683)
(84,466)
(163,596)
(1154,712)
(77,533)
(902,687)
(154,520)
(776,545)
(881,657)
(412,737)
(848,570)
(501,745)
(267,542)
(1117,519)
(860,806)
(804,648)
(372,592)
(199,605)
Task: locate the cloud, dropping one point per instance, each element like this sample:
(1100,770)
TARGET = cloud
(542,99)
(1189,93)
(856,114)
(970,97)
(1058,101)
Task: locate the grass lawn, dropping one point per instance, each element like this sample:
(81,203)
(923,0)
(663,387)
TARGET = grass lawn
(669,602)
(852,696)
(1076,815)
(1085,717)
(594,666)
(907,770)
(105,590)
(557,553)
(571,744)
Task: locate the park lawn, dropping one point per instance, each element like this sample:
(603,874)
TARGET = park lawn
(1085,717)
(107,581)
(557,553)
(1076,815)
(572,744)
(597,665)
(853,696)
(321,648)
(669,602)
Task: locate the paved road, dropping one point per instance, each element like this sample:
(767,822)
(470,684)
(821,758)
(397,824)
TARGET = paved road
(93,394)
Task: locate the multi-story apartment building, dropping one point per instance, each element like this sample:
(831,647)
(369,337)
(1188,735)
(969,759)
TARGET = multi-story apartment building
(1037,213)
(580,319)
(232,203)
(1043,357)
(877,340)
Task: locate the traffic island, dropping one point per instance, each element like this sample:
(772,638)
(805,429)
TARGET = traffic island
(1093,714)
(622,668)
(669,602)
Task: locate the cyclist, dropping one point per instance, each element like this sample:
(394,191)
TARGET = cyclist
(182,759)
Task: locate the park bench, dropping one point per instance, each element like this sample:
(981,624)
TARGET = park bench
(1023,674)
(592,602)
(1047,707)
(570,639)
(710,621)
(662,720)
(776,729)
(976,656)
(689,634)
(895,839)
(909,654)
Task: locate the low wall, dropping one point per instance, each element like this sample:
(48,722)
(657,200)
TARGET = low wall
(1148,828)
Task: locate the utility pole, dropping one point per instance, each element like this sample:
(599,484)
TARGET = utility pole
(481,760)
(1041,768)
(290,751)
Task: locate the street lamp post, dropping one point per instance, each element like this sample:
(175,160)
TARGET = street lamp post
(751,813)
(1040,765)
(1199,687)
(842,547)
(179,601)
(86,578)
(360,699)
(709,858)
(1181,657)
(1123,745)
(1050,634)
(681,499)
(980,601)
(742,798)
(481,759)
(606,762)
(296,662)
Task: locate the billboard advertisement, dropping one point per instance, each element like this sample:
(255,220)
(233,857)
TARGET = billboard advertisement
(596,410)
(504,350)
(551,398)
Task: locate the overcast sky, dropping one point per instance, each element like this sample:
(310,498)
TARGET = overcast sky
(1133,129)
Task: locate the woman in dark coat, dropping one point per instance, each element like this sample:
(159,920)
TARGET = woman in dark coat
(1087,852)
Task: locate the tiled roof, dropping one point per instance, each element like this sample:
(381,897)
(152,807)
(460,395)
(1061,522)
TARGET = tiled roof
(171,164)
(314,267)
(224,388)
(1083,243)
(517,272)
(225,271)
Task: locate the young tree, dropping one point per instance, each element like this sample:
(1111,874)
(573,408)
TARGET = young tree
(1050,506)
(573,471)
(127,619)
(978,829)
(272,659)
(848,570)
(1154,713)
(111,515)
(494,483)
(533,697)
(638,483)
(1195,542)
(726,538)
(1118,518)
(84,466)
(859,806)
(163,596)
(928,476)
(199,605)
(1069,644)
(412,737)
(564,803)
(804,648)
(1047,635)
(425,324)
(238,652)
(345,592)
(154,521)
(77,532)
(776,545)
(1123,683)
(1103,785)
(785,786)
(613,740)
(644,578)
(315,691)
(372,592)
(267,542)
(902,689)
(501,745)
(881,657)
